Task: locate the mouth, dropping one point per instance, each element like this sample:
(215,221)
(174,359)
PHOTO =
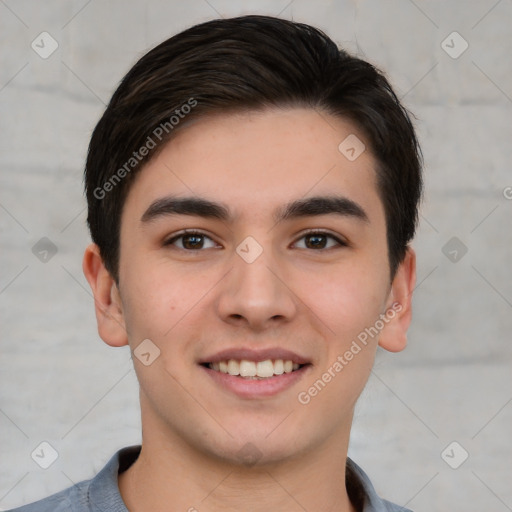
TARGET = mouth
(255,374)
(251,370)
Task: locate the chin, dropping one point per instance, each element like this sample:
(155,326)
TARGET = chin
(253,455)
(257,449)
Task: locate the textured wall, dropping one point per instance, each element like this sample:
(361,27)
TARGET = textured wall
(61,384)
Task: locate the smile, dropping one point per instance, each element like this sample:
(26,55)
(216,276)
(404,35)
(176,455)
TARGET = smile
(252,380)
(255,370)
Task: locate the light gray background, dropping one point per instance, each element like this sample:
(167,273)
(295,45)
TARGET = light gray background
(61,384)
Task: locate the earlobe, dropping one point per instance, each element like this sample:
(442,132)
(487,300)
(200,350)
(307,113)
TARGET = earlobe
(393,336)
(107,300)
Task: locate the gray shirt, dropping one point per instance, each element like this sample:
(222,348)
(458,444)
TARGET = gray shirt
(101,493)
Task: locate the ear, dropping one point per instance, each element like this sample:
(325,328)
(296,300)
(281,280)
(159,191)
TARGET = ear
(393,336)
(107,300)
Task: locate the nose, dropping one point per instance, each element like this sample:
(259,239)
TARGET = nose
(256,294)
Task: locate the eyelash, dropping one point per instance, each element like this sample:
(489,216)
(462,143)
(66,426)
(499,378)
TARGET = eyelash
(341,243)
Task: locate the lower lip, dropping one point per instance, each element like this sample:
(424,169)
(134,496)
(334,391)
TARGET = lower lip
(257,388)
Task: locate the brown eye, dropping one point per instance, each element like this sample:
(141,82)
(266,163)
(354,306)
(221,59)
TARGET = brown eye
(191,241)
(320,239)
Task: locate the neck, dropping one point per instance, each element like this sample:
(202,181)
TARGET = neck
(170,472)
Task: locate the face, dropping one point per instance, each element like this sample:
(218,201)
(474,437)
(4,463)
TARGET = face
(267,271)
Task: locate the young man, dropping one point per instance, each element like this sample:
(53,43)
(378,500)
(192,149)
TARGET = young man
(252,192)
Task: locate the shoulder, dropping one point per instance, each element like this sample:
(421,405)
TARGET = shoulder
(362,492)
(72,499)
(392,507)
(100,493)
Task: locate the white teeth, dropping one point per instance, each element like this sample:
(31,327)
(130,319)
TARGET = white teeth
(233,367)
(247,368)
(265,368)
(250,369)
(278,367)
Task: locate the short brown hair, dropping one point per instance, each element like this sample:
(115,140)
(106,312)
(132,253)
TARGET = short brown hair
(248,63)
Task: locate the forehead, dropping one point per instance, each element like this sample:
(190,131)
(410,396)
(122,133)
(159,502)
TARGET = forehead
(254,162)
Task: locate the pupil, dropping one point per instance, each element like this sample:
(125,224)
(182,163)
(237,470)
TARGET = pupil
(196,241)
(315,239)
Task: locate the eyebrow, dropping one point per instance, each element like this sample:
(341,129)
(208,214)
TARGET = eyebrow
(308,207)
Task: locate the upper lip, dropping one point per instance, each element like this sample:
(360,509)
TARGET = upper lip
(254,355)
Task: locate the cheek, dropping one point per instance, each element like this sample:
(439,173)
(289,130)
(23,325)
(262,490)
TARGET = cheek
(161,298)
(347,299)
(348,304)
(151,304)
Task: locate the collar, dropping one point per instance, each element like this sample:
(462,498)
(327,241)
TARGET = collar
(104,488)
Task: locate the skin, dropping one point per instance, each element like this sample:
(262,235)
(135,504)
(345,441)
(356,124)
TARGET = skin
(314,301)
